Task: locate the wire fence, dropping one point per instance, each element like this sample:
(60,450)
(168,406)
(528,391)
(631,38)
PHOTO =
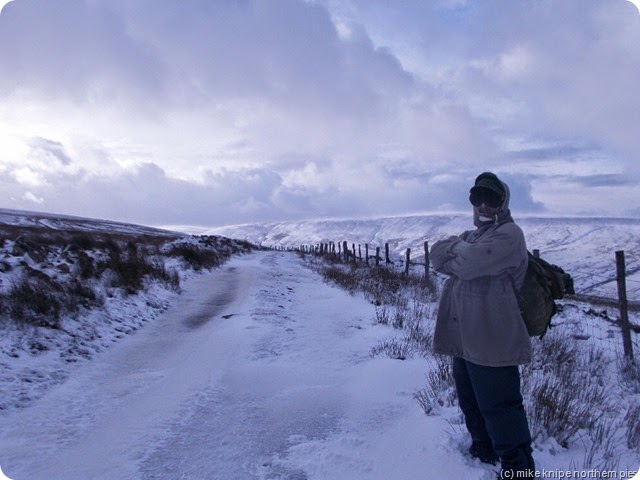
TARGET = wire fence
(623,266)
(587,281)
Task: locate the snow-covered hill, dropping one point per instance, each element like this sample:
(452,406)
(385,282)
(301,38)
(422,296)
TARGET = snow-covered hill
(72,287)
(50,221)
(584,247)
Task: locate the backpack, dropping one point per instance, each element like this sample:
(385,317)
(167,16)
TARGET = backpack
(543,283)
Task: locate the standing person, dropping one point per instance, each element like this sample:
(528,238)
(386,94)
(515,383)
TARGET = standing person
(480,326)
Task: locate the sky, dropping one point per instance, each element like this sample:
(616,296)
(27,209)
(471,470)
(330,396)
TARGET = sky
(218,112)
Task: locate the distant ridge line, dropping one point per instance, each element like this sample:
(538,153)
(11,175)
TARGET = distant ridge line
(54,222)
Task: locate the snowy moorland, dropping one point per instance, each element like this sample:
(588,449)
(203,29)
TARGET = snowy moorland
(71,287)
(585,247)
(272,365)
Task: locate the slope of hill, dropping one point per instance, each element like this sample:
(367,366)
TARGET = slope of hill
(585,247)
(13,219)
(71,287)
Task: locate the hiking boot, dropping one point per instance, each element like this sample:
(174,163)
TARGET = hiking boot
(484,453)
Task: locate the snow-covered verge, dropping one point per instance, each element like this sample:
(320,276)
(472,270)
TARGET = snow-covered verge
(582,397)
(70,289)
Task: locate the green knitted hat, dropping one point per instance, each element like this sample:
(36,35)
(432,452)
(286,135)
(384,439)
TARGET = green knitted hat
(489,181)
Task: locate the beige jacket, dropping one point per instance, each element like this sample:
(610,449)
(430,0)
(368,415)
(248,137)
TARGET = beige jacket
(478,316)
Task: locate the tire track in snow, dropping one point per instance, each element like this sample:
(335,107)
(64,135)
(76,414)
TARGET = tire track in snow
(241,423)
(100,421)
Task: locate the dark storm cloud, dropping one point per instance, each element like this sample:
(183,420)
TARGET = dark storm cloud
(609,180)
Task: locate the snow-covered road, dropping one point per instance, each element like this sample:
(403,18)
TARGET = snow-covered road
(258,371)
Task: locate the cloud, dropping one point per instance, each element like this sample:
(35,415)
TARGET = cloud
(604,180)
(30,197)
(72,48)
(286,53)
(273,110)
(50,150)
(575,76)
(147,195)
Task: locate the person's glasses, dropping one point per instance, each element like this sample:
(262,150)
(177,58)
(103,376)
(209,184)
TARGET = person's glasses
(488,197)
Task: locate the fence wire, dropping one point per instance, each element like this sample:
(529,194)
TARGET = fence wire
(586,282)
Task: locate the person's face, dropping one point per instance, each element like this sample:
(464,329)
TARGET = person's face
(485,210)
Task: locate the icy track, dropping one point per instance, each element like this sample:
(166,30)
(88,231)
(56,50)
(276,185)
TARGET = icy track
(259,371)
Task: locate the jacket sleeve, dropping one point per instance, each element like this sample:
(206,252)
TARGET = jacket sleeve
(492,254)
(441,252)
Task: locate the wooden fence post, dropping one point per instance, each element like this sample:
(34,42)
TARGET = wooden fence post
(406,261)
(377,256)
(366,253)
(386,253)
(426,260)
(624,312)
(536,253)
(345,251)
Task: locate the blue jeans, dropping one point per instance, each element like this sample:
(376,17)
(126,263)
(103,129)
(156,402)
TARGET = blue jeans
(491,402)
